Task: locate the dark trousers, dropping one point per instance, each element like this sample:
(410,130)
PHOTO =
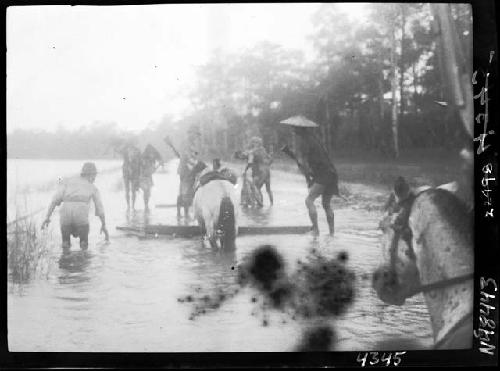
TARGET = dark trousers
(78,231)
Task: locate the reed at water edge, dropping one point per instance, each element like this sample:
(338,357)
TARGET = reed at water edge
(27,246)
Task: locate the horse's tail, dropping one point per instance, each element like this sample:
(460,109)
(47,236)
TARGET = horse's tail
(227,221)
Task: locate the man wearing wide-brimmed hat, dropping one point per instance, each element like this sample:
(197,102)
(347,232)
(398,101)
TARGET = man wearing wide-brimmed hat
(75,194)
(321,173)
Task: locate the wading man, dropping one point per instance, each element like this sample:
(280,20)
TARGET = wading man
(75,194)
(317,167)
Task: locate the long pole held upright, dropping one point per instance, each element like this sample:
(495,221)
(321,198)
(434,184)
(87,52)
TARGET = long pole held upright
(453,58)
(169,143)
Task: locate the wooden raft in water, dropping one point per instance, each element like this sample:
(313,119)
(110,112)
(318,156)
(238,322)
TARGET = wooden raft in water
(194,230)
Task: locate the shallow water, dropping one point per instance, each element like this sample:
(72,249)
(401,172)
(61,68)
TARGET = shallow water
(123,296)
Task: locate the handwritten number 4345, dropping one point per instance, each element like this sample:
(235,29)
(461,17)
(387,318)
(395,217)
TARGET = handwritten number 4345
(373,358)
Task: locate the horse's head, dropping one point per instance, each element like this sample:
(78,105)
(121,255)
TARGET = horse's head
(396,279)
(427,238)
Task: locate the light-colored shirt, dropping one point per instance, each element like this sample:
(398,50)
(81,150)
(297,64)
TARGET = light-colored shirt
(75,194)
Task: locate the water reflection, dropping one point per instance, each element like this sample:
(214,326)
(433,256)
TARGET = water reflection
(74,266)
(214,281)
(261,216)
(214,268)
(185,220)
(70,311)
(138,218)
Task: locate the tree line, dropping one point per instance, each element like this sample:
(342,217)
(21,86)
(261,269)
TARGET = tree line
(376,86)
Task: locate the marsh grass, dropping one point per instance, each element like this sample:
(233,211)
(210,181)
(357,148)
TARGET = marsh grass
(27,249)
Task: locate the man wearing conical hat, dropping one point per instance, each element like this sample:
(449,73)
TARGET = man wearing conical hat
(75,194)
(319,170)
(324,177)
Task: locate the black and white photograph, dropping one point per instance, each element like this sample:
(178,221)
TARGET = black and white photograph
(247,177)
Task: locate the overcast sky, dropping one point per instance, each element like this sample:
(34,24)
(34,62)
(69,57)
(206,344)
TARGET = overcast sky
(70,66)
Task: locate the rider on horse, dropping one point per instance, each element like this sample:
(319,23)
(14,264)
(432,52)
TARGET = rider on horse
(215,205)
(218,173)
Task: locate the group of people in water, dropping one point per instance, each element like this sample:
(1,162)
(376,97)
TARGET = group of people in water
(445,242)
(76,193)
(312,159)
(137,170)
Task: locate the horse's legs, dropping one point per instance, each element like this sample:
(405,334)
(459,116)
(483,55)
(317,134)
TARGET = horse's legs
(201,224)
(330,217)
(210,232)
(314,192)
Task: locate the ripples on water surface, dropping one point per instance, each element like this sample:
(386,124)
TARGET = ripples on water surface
(123,296)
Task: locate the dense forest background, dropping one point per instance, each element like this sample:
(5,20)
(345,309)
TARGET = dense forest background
(375,88)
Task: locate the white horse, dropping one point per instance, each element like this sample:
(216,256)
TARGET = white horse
(216,208)
(428,239)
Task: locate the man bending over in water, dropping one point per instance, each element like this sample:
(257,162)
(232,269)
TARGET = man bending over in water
(75,194)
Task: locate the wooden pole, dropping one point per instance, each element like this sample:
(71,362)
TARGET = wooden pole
(401,61)
(456,74)
(394,83)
